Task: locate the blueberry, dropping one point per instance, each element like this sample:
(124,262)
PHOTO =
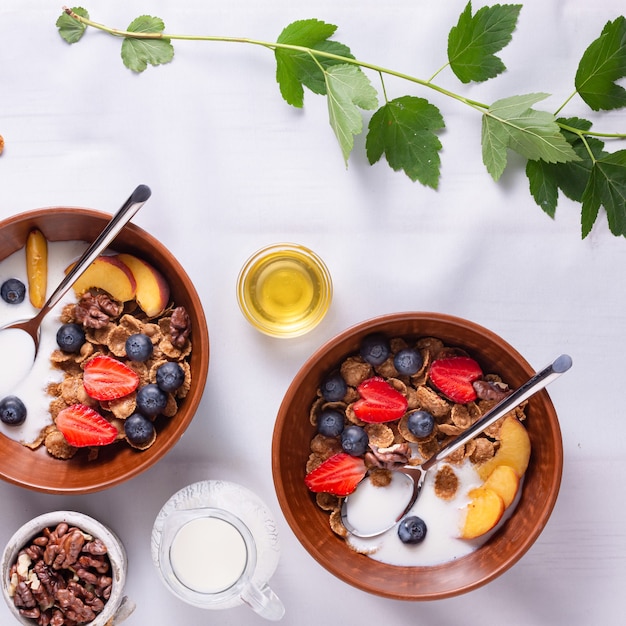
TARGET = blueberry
(354,440)
(412,529)
(170,376)
(139,430)
(13,291)
(421,423)
(375,348)
(70,337)
(334,387)
(151,400)
(408,361)
(330,423)
(12,411)
(139,347)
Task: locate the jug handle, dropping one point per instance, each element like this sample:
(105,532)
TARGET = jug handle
(263,601)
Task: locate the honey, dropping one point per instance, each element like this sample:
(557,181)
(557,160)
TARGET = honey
(284,290)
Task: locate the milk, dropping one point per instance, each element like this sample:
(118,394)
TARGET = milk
(443,518)
(208,555)
(20,345)
(17,377)
(371,508)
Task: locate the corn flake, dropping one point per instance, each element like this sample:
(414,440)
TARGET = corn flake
(380,435)
(446,483)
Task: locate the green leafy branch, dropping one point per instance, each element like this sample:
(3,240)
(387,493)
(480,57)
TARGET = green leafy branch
(563,155)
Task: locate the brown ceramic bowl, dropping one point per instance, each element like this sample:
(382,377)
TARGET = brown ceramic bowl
(118,462)
(290,450)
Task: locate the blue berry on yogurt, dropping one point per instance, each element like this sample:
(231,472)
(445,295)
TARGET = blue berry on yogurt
(12,411)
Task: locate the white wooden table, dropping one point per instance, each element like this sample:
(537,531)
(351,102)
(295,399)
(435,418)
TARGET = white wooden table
(233,168)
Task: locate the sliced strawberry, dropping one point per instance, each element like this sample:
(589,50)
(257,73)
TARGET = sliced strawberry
(379,401)
(454,376)
(82,426)
(106,378)
(339,475)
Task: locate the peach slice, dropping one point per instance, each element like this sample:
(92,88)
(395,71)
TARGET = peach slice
(505,482)
(514,449)
(153,291)
(109,274)
(37,267)
(483,512)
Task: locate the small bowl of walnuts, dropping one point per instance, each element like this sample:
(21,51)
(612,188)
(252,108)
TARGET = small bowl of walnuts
(389,393)
(65,567)
(122,362)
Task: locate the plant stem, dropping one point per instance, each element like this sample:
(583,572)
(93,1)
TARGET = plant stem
(279,46)
(315,54)
(443,67)
(565,103)
(591,133)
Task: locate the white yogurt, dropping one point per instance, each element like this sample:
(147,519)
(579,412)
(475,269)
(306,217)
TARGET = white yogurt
(16,349)
(208,555)
(21,348)
(443,518)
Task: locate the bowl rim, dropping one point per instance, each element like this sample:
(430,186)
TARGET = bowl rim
(199,332)
(334,566)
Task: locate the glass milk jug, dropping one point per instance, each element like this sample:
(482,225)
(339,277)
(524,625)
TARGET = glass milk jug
(216,546)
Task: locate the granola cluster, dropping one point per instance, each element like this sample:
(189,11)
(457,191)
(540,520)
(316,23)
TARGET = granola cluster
(107,326)
(392,444)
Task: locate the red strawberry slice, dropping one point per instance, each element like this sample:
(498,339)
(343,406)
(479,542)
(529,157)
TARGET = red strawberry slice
(454,376)
(82,426)
(379,401)
(339,475)
(106,378)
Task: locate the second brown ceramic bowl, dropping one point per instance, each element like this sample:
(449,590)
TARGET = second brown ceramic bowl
(116,463)
(290,450)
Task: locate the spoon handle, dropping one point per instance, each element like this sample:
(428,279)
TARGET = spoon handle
(541,379)
(124,214)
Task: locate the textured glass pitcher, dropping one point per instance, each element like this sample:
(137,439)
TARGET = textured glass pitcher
(215,545)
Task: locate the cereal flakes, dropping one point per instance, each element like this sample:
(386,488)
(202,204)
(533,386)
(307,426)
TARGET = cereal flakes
(451,419)
(446,483)
(106,334)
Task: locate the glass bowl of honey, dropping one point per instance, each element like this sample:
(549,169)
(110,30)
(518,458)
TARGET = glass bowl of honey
(284,290)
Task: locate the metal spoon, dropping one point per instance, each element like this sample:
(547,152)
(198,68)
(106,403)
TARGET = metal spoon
(529,388)
(135,201)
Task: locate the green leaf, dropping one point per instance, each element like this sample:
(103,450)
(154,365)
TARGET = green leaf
(516,105)
(572,177)
(348,88)
(402,130)
(536,135)
(71,29)
(607,188)
(543,187)
(306,33)
(511,123)
(473,42)
(494,143)
(575,122)
(138,52)
(310,73)
(296,69)
(603,63)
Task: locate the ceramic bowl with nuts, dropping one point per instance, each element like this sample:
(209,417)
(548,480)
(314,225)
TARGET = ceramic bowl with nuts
(65,567)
